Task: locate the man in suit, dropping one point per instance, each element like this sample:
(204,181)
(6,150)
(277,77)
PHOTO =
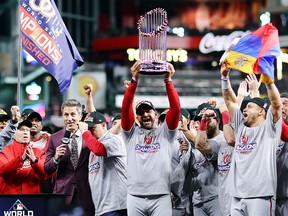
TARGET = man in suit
(70,160)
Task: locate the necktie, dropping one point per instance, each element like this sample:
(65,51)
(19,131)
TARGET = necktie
(74,151)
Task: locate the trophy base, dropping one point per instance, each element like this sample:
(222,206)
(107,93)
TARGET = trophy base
(153,68)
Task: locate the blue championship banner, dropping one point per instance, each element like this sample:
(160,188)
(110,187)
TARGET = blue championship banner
(45,37)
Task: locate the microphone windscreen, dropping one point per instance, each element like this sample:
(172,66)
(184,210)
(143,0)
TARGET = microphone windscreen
(67,134)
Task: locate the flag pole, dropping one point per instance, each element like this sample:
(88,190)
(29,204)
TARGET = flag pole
(19,61)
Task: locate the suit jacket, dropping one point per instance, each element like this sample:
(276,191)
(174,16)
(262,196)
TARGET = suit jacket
(72,183)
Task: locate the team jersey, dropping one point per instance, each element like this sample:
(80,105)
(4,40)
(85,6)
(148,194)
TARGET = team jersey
(177,156)
(107,176)
(149,159)
(224,161)
(41,142)
(253,165)
(205,169)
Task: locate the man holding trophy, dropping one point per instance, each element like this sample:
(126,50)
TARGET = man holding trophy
(149,149)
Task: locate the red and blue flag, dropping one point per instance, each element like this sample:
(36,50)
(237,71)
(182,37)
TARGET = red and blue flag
(256,53)
(46,38)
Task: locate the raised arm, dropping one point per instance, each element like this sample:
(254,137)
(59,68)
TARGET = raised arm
(201,142)
(92,143)
(189,133)
(89,98)
(228,131)
(275,100)
(242,92)
(127,114)
(227,91)
(7,134)
(173,115)
(253,84)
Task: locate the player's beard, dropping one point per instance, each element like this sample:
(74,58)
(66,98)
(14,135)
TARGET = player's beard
(147,126)
(211,131)
(249,120)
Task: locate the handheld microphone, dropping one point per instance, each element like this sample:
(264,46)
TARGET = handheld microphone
(66,138)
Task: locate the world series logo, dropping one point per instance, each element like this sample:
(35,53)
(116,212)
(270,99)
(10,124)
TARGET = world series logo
(18,209)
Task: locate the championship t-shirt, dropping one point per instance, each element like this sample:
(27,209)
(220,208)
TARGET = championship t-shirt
(149,155)
(253,165)
(107,176)
(224,161)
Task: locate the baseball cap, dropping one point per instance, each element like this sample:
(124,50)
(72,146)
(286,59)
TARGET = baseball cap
(4,115)
(185,113)
(163,115)
(26,123)
(263,103)
(27,111)
(116,117)
(144,103)
(203,106)
(198,117)
(284,95)
(94,118)
(244,103)
(34,115)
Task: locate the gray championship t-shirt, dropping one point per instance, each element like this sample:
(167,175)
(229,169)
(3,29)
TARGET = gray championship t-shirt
(224,162)
(107,176)
(253,165)
(205,168)
(149,155)
(175,162)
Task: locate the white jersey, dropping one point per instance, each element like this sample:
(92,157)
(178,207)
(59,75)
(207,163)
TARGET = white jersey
(149,155)
(42,141)
(107,176)
(253,166)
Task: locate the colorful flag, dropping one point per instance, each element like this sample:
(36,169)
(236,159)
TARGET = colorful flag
(45,37)
(256,52)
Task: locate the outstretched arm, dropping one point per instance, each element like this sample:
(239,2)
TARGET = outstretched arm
(253,84)
(127,114)
(276,105)
(173,115)
(89,99)
(228,131)
(227,91)
(242,92)
(7,134)
(201,142)
(190,133)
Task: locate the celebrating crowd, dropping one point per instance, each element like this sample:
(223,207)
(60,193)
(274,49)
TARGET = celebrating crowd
(226,161)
